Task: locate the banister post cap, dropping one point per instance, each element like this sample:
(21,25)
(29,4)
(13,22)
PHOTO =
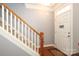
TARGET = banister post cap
(41,33)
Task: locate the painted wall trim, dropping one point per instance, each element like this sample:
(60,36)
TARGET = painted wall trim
(17,42)
(47,45)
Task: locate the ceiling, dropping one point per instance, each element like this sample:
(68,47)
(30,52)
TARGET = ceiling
(39,6)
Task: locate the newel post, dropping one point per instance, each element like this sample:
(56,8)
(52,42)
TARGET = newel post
(41,43)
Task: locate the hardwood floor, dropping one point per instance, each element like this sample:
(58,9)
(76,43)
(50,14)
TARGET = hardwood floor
(77,54)
(51,51)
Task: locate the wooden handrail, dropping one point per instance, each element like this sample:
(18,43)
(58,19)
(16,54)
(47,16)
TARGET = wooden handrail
(6,6)
(41,43)
(41,34)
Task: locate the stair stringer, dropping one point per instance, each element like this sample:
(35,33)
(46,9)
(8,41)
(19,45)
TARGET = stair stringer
(17,42)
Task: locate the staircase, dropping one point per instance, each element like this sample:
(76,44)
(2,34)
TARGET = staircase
(19,32)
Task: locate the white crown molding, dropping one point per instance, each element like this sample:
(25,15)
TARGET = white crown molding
(38,6)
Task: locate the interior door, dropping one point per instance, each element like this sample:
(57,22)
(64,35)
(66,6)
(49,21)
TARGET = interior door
(63,31)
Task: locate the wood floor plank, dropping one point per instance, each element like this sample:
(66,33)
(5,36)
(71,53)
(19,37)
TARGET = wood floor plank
(52,51)
(47,53)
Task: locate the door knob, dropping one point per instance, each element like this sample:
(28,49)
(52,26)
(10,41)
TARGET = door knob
(68,32)
(68,36)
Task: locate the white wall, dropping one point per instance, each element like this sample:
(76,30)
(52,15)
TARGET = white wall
(40,19)
(7,48)
(76,27)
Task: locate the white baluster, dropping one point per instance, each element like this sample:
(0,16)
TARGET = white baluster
(11,22)
(25,34)
(7,20)
(22,31)
(38,43)
(32,43)
(28,36)
(18,27)
(15,24)
(35,40)
(3,16)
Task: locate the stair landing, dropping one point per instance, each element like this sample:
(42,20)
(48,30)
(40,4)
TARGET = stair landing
(52,51)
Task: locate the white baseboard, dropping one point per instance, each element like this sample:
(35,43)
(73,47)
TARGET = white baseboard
(75,51)
(47,45)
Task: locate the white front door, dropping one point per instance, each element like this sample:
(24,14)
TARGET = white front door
(63,31)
